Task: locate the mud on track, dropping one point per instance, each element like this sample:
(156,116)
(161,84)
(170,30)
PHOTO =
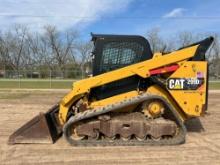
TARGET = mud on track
(17,107)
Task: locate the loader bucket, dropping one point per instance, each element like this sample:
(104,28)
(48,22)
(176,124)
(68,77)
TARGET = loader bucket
(42,128)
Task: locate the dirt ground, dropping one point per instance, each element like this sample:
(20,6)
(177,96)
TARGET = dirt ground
(17,107)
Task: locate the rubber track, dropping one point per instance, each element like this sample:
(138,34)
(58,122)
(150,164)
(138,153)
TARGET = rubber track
(178,139)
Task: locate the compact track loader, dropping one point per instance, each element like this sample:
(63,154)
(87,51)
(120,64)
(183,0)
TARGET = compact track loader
(134,97)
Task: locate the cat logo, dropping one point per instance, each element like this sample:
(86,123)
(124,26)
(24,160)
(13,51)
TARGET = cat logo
(176,83)
(192,83)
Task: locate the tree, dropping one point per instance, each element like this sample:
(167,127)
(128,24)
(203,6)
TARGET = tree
(2,55)
(84,49)
(214,57)
(1,50)
(156,42)
(13,43)
(185,38)
(61,45)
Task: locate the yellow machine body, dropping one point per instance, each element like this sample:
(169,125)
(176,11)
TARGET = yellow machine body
(190,102)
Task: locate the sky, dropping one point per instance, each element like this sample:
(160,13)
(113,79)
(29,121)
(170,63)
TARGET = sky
(113,16)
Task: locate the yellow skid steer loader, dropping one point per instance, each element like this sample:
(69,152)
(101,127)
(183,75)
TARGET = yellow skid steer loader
(134,97)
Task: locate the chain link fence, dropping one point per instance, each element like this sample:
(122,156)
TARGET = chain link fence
(40,78)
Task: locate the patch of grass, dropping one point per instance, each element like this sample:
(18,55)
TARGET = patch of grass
(13,95)
(214,85)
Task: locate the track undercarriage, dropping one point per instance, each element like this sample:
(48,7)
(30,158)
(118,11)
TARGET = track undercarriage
(125,126)
(106,126)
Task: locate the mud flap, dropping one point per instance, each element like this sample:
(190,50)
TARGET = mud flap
(42,128)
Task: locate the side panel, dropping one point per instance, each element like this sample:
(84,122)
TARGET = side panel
(188,86)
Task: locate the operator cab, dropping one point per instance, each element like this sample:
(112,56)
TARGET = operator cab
(116,51)
(113,52)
